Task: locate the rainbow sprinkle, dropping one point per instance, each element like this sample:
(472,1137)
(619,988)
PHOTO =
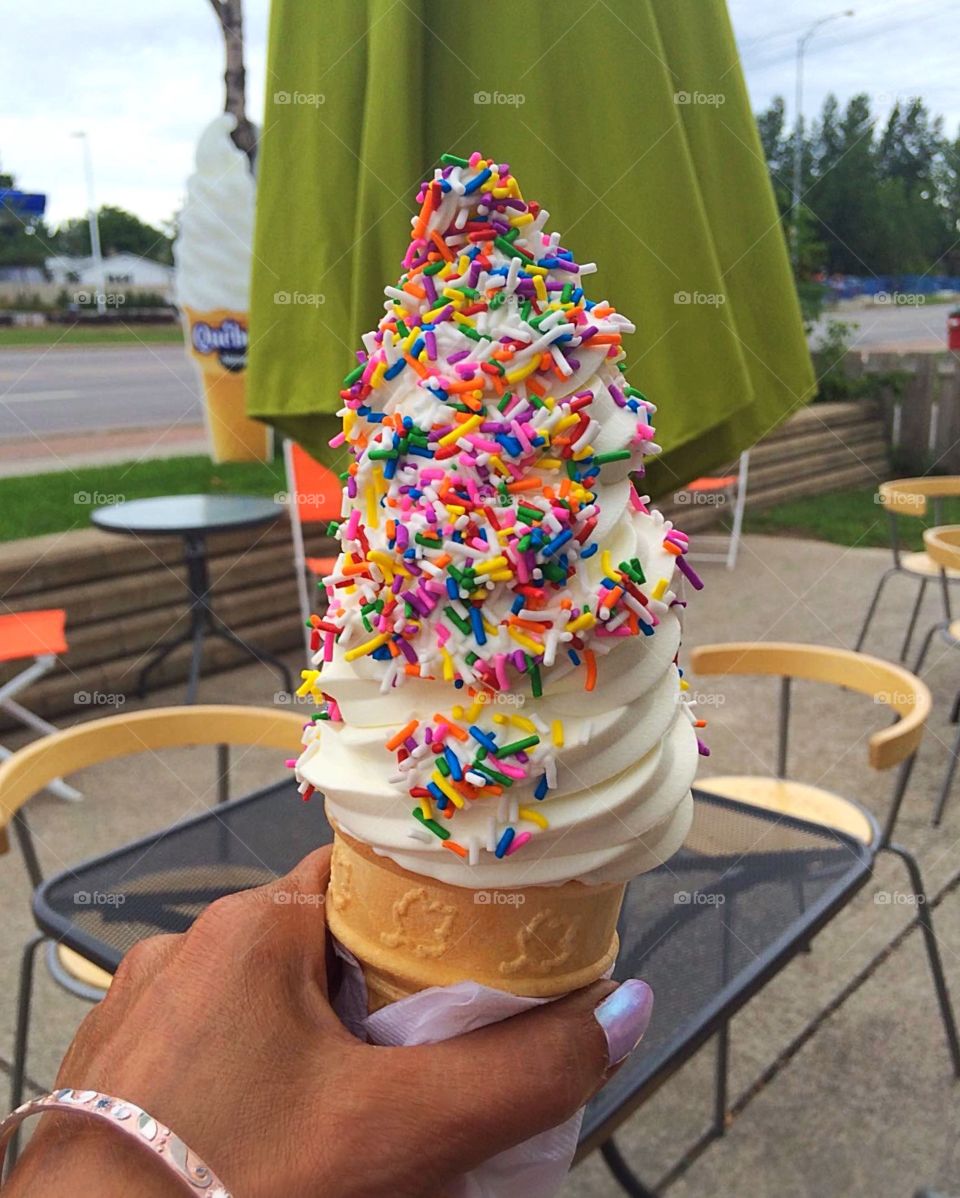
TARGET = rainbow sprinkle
(471,498)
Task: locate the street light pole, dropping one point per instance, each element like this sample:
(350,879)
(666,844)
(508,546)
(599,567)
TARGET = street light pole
(95,252)
(802,43)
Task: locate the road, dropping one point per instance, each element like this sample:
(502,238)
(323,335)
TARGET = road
(95,389)
(893,327)
(53,392)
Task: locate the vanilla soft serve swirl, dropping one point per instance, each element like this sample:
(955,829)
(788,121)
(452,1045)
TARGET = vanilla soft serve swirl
(503,706)
(214,245)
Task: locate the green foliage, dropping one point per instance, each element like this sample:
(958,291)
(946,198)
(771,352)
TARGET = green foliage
(121,232)
(879,197)
(829,355)
(24,301)
(835,383)
(146,299)
(131,299)
(848,517)
(24,241)
(812,296)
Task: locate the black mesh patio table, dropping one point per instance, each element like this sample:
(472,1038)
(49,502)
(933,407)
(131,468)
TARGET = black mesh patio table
(193,518)
(707,930)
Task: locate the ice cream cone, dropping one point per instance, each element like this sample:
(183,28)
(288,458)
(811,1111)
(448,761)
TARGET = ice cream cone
(217,342)
(410,931)
(504,740)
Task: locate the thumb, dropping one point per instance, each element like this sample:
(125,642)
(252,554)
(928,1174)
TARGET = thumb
(509,1081)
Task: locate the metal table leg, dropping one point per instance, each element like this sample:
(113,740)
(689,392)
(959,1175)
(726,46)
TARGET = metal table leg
(204,622)
(218,628)
(625,1177)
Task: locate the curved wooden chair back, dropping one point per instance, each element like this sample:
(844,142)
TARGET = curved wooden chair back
(884,682)
(908,496)
(943,545)
(30,769)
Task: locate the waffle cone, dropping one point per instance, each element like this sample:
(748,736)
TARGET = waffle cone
(410,932)
(233,436)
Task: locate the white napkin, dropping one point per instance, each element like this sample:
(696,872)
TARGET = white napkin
(535,1168)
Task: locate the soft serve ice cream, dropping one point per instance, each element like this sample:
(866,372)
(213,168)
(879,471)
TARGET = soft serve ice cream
(497,662)
(213,253)
(214,244)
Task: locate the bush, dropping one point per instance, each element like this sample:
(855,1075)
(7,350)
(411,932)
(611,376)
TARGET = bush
(25,301)
(813,298)
(147,299)
(835,382)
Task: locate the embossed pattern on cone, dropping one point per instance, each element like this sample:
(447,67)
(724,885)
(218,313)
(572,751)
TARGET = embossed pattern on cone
(410,932)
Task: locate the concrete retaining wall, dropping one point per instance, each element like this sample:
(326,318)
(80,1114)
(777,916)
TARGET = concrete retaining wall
(124,596)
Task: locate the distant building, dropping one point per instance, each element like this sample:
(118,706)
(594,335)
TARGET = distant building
(23,274)
(119,270)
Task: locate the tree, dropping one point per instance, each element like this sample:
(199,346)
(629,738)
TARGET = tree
(948,186)
(230,15)
(914,173)
(910,146)
(843,194)
(24,240)
(771,126)
(882,202)
(120,232)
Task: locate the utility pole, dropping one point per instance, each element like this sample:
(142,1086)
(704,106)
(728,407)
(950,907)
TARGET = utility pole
(94,223)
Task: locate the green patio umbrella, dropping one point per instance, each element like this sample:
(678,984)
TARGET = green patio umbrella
(628,119)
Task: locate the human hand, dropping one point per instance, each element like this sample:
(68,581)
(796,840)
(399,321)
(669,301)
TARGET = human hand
(226,1035)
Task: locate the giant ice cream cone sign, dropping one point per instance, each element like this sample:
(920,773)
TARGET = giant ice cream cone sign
(504,740)
(213,253)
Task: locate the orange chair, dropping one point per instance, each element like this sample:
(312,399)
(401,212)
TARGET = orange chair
(315,498)
(37,636)
(729,486)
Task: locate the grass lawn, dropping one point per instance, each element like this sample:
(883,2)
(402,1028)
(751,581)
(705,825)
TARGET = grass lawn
(35,504)
(851,517)
(64,334)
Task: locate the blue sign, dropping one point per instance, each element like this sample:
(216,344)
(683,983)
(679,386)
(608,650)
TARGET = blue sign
(23,202)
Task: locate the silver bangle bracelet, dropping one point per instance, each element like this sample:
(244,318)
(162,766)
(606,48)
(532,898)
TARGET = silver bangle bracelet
(194,1176)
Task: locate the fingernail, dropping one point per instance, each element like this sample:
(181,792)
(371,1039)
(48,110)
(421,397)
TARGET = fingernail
(624,1016)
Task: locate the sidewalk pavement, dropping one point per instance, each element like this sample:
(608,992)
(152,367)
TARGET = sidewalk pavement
(868,1107)
(65,451)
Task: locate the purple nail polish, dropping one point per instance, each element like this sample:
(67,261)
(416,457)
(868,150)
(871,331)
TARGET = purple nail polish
(624,1016)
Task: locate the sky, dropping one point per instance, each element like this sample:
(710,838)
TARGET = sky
(142,80)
